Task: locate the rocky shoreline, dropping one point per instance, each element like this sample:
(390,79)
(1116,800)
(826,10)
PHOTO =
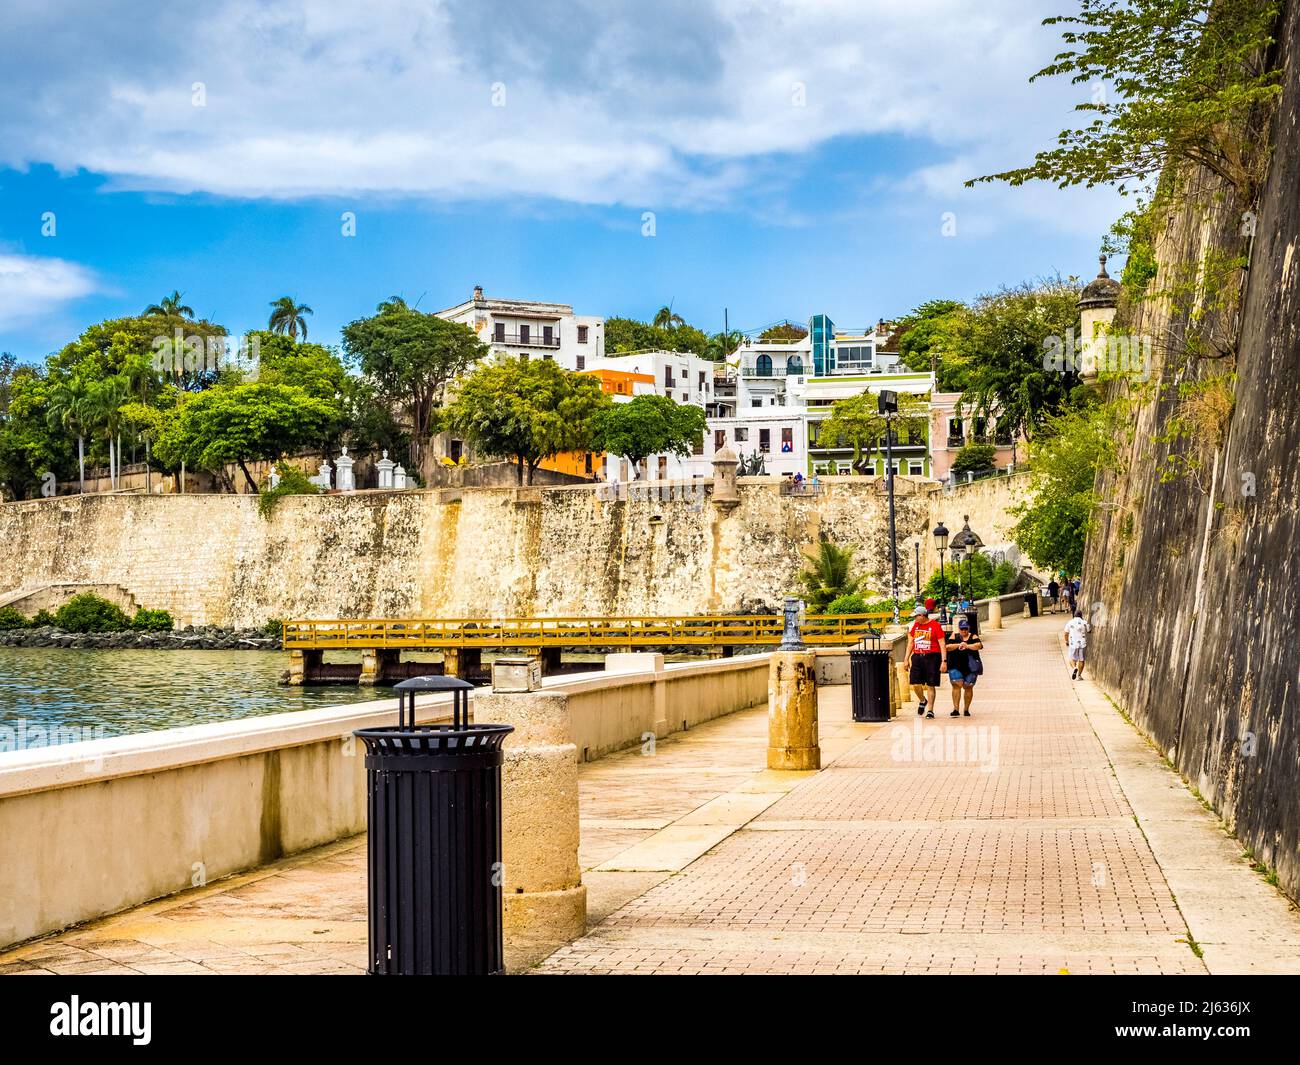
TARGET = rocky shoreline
(190,638)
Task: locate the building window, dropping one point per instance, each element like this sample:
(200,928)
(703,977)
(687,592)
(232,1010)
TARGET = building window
(756,402)
(582,334)
(663,467)
(794,365)
(582,362)
(915,469)
(548,335)
(525,333)
(668,377)
(765,441)
(499,332)
(587,463)
(719,438)
(787,440)
(702,385)
(763,366)
(686,397)
(742,434)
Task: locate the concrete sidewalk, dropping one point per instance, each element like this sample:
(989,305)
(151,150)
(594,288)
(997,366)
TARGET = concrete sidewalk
(1041,835)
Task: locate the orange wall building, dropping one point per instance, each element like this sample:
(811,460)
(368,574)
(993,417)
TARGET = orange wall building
(622,386)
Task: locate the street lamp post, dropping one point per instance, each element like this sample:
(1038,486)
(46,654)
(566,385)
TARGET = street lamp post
(941,542)
(888,406)
(917,545)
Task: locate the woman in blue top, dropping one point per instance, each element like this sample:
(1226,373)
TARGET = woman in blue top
(963,654)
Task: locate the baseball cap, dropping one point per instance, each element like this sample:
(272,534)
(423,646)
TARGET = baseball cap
(962,623)
(920,611)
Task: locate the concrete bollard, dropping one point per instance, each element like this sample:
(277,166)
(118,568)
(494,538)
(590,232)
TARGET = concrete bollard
(792,711)
(544,901)
(995,613)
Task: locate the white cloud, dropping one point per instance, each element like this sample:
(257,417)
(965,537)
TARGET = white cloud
(32,287)
(642,105)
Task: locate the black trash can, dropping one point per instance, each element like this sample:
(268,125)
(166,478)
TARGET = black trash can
(869,680)
(434,839)
(1031,600)
(973,621)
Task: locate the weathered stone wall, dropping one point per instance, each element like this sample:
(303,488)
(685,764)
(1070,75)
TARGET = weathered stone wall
(212,559)
(1193,578)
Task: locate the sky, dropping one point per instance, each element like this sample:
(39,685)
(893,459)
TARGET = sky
(770,160)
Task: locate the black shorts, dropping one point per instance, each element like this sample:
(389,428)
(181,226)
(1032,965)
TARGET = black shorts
(925,670)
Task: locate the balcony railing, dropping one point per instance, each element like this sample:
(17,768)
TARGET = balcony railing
(531,339)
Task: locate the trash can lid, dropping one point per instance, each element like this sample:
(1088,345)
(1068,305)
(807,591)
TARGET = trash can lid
(431,683)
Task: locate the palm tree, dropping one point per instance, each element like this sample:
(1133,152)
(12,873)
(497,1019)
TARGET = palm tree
(104,403)
(288,317)
(665,319)
(723,345)
(170,307)
(69,409)
(827,576)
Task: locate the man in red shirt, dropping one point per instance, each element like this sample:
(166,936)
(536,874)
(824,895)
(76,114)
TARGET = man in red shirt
(927,658)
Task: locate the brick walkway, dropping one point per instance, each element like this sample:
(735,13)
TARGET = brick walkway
(1041,835)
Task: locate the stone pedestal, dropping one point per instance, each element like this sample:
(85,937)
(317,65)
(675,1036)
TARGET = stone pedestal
(375,663)
(792,711)
(543,897)
(460,661)
(303,664)
(995,613)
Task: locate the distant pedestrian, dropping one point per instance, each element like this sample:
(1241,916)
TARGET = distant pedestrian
(1076,637)
(1053,593)
(927,659)
(964,665)
(1071,595)
(930,605)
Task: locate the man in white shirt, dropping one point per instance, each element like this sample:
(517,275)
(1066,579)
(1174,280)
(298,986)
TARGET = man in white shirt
(1076,636)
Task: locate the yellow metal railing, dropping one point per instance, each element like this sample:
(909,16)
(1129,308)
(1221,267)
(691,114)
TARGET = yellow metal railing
(714,630)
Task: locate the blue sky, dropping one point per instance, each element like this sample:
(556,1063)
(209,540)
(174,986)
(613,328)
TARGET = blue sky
(797,158)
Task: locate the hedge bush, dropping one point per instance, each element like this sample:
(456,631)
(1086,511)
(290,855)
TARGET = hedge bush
(11,618)
(91,613)
(152,621)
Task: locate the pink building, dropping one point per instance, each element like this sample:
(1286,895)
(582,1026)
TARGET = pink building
(949,433)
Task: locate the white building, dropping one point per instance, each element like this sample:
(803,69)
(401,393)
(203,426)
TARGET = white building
(778,435)
(527,327)
(684,378)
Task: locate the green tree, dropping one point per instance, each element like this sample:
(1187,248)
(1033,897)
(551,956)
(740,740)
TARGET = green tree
(856,422)
(1052,526)
(722,346)
(289,317)
(69,407)
(527,410)
(624,335)
(169,307)
(648,425)
(104,406)
(1179,78)
(1001,347)
(978,578)
(921,345)
(827,576)
(32,444)
(975,458)
(786,332)
(666,319)
(410,357)
(236,424)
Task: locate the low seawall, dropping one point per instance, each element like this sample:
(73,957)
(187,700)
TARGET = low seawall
(89,829)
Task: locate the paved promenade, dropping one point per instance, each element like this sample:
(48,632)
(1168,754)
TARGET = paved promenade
(1041,835)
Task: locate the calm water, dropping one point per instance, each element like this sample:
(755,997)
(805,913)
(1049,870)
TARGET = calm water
(58,694)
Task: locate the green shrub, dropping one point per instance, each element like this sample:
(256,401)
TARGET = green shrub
(293,482)
(975,458)
(848,604)
(152,621)
(12,618)
(42,617)
(274,627)
(91,613)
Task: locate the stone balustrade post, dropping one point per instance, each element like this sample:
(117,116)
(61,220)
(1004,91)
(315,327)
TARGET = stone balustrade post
(544,901)
(995,613)
(385,467)
(343,465)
